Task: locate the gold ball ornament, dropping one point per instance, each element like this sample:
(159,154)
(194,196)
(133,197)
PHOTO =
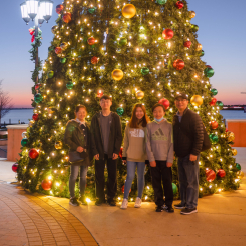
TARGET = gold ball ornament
(139,94)
(192,14)
(234,152)
(240,174)
(117,74)
(58,145)
(128,11)
(198,47)
(230,136)
(196,100)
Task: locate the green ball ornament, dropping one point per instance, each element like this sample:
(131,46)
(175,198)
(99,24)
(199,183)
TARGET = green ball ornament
(238,166)
(69,85)
(202,53)
(209,72)
(92,10)
(220,104)
(51,48)
(144,71)
(50,74)
(214,92)
(123,41)
(24,142)
(214,138)
(195,28)
(63,60)
(175,189)
(120,111)
(161,2)
(38,98)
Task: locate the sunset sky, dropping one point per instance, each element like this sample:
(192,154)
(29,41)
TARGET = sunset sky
(222,33)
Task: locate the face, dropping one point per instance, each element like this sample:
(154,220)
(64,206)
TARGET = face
(158,113)
(139,113)
(81,114)
(105,104)
(181,104)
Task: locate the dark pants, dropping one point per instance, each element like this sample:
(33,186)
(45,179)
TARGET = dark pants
(112,182)
(189,173)
(162,173)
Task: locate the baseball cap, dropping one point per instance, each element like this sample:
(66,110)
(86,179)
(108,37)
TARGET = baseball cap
(182,95)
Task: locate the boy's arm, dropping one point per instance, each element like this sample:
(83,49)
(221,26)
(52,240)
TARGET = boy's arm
(118,137)
(148,146)
(125,143)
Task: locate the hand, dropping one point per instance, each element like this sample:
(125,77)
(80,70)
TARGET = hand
(96,157)
(80,149)
(115,156)
(124,162)
(169,164)
(193,157)
(152,163)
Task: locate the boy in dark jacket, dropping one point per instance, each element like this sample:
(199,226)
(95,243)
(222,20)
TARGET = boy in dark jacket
(106,143)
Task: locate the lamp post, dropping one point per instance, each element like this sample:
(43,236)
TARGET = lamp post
(39,11)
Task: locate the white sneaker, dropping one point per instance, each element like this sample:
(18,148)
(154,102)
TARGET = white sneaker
(124,204)
(138,203)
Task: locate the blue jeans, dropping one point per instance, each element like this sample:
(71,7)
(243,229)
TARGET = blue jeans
(131,167)
(189,173)
(74,171)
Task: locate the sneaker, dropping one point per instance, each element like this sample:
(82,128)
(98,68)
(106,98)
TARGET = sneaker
(179,206)
(169,209)
(98,202)
(124,204)
(83,200)
(138,203)
(159,209)
(112,203)
(189,210)
(73,201)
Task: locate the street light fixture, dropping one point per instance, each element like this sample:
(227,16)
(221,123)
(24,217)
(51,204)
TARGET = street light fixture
(46,6)
(32,8)
(24,13)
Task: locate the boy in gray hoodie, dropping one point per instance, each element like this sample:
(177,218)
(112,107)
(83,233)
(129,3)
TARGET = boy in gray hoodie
(159,148)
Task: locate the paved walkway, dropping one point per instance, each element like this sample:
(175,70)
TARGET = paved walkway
(33,219)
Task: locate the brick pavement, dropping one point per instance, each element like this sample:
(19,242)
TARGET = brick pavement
(34,219)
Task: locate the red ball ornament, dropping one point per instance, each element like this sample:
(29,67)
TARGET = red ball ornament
(33,153)
(37,86)
(179,5)
(178,64)
(221,173)
(123,189)
(58,50)
(15,167)
(94,60)
(67,17)
(46,184)
(35,117)
(214,125)
(59,8)
(167,34)
(209,66)
(91,41)
(213,102)
(211,175)
(99,93)
(187,44)
(120,153)
(164,102)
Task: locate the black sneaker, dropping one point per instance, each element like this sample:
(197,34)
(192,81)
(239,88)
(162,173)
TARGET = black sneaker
(169,209)
(99,202)
(159,209)
(83,201)
(73,201)
(179,206)
(189,210)
(112,203)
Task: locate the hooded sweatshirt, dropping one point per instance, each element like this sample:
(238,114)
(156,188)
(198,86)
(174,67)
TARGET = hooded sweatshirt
(134,148)
(159,143)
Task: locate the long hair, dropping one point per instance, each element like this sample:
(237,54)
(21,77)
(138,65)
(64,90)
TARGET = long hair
(134,123)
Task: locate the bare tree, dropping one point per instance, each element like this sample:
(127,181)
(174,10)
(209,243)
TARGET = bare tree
(5,102)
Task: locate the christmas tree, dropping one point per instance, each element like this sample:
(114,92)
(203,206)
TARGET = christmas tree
(137,52)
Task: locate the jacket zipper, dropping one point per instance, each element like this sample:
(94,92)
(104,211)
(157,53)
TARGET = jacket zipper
(98,119)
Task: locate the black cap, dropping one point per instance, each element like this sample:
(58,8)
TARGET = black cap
(181,94)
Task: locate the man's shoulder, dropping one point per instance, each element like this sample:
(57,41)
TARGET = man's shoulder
(96,115)
(192,114)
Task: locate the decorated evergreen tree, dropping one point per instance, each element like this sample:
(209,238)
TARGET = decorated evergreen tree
(137,52)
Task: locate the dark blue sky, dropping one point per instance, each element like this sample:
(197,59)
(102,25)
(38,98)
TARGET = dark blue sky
(222,34)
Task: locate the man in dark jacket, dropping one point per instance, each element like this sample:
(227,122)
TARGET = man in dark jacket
(188,139)
(106,143)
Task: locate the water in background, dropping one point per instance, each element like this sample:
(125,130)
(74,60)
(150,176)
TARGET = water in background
(24,114)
